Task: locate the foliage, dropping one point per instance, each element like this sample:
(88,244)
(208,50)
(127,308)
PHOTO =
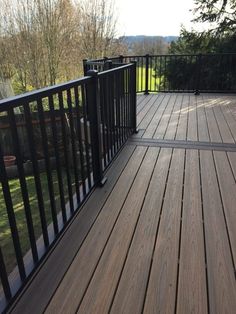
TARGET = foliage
(220,38)
(222,13)
(42,42)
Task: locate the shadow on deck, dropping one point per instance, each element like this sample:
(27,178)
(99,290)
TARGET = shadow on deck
(160,235)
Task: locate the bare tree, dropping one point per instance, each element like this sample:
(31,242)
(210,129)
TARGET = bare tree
(44,41)
(97,28)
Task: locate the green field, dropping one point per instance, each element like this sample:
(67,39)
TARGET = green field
(153,82)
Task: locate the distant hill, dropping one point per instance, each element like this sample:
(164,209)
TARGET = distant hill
(141,44)
(140,38)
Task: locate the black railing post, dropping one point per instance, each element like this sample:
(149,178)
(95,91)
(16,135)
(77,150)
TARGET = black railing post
(198,74)
(147,74)
(134,96)
(121,59)
(85,67)
(95,128)
(107,65)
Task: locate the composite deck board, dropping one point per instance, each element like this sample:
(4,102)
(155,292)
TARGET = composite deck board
(130,294)
(140,98)
(162,127)
(181,132)
(228,187)
(203,133)
(144,103)
(192,132)
(192,287)
(47,279)
(161,290)
(229,117)
(160,236)
(211,120)
(220,270)
(74,284)
(149,107)
(151,129)
(223,126)
(174,119)
(147,118)
(99,294)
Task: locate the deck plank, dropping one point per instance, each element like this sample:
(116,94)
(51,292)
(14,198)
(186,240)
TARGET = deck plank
(161,291)
(141,114)
(203,133)
(211,120)
(222,124)
(143,103)
(192,289)
(221,279)
(227,187)
(192,132)
(162,127)
(150,131)
(148,117)
(40,289)
(174,119)
(229,117)
(181,133)
(100,291)
(130,294)
(74,284)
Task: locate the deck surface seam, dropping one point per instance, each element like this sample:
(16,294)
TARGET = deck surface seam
(182,144)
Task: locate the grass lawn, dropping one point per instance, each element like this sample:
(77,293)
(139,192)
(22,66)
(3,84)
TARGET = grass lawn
(5,234)
(153,82)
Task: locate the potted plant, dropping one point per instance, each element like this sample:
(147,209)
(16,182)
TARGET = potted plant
(9,160)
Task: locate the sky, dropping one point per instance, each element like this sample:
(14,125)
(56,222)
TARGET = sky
(154,17)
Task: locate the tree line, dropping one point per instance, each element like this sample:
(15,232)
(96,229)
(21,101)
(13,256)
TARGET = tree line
(219,71)
(43,42)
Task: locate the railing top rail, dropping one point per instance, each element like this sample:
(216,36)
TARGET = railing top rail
(40,93)
(118,69)
(163,55)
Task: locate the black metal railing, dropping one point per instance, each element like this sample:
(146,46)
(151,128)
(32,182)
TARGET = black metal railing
(71,133)
(182,73)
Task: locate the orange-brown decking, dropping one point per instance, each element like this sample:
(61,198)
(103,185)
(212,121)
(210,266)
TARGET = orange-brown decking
(160,236)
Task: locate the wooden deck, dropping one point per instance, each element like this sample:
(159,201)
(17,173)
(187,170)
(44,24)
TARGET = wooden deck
(160,236)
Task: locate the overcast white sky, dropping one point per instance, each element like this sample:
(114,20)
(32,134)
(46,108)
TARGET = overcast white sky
(153,17)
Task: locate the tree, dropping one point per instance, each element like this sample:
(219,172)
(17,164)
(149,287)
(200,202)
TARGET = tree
(44,41)
(150,45)
(222,13)
(97,28)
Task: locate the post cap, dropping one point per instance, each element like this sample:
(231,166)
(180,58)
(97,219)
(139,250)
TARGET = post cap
(92,73)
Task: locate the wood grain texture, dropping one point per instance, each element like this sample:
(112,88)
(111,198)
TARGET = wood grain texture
(148,107)
(144,102)
(203,133)
(161,129)
(192,133)
(130,294)
(225,105)
(228,193)
(211,121)
(100,292)
(192,288)
(148,117)
(42,286)
(174,119)
(221,279)
(74,284)
(181,133)
(150,131)
(222,124)
(161,291)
